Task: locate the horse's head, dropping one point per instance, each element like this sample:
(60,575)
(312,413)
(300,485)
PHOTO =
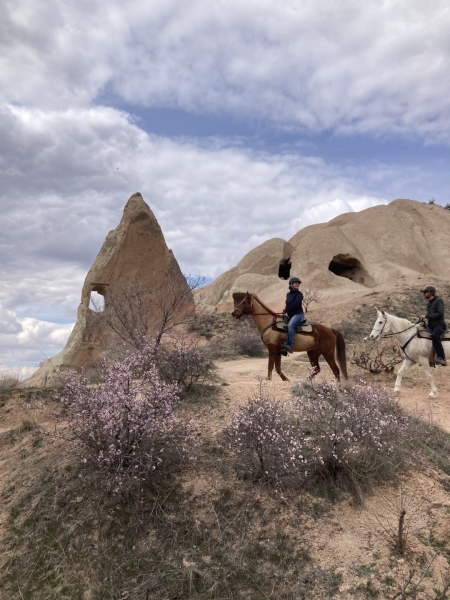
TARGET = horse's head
(382,326)
(245,306)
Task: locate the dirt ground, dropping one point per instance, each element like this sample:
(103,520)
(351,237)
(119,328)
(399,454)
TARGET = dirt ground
(244,375)
(351,540)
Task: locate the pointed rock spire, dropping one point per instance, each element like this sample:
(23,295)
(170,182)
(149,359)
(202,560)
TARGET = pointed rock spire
(135,253)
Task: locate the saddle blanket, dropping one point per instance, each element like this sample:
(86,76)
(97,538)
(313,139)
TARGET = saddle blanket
(426,335)
(305,327)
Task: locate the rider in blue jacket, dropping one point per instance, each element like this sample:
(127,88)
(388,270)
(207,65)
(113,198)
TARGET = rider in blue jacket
(294,310)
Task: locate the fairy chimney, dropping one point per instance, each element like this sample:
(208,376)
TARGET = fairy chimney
(133,253)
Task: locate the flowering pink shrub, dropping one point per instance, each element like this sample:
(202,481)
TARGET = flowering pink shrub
(355,433)
(266,440)
(126,428)
(351,436)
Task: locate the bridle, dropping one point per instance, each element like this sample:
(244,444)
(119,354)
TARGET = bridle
(388,335)
(250,307)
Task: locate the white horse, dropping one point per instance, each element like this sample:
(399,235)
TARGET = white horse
(414,349)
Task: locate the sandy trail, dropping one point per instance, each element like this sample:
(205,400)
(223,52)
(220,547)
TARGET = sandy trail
(246,376)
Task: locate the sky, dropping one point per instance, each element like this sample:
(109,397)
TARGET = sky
(237,121)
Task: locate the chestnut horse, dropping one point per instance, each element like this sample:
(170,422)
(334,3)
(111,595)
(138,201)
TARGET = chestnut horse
(322,341)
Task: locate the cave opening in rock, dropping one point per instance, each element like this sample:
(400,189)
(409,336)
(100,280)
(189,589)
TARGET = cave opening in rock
(97,298)
(284,270)
(345,265)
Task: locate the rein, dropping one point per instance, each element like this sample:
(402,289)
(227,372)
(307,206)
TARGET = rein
(402,348)
(387,335)
(253,314)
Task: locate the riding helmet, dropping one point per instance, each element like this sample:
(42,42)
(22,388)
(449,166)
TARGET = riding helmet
(292,280)
(429,288)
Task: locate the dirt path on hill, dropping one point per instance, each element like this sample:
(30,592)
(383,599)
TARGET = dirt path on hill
(244,376)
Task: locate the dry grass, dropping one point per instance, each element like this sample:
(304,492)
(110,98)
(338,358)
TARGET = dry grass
(201,533)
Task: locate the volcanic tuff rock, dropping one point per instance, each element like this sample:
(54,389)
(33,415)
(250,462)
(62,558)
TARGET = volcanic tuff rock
(134,252)
(403,241)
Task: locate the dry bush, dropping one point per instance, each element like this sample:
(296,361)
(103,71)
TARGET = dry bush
(8,382)
(221,348)
(185,364)
(248,342)
(397,517)
(378,357)
(410,584)
(140,314)
(11,378)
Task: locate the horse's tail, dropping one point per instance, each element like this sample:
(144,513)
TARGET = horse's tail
(340,352)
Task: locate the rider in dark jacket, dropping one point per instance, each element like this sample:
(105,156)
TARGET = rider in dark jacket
(294,310)
(436,321)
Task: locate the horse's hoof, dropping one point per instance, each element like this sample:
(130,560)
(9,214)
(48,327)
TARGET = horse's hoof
(397,393)
(432,395)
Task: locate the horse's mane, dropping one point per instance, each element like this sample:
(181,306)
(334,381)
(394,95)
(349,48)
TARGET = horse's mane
(269,310)
(403,322)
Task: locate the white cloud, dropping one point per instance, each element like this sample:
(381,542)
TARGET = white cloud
(28,340)
(8,322)
(351,67)
(67,191)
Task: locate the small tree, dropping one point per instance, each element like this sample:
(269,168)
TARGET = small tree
(345,438)
(139,314)
(309,296)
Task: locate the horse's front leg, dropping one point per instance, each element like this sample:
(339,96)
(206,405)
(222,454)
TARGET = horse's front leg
(426,365)
(398,382)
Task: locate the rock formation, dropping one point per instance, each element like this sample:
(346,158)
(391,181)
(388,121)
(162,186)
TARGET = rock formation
(134,252)
(404,241)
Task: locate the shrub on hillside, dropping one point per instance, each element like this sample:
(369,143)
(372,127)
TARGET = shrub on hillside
(355,433)
(351,437)
(126,428)
(185,364)
(266,440)
(11,379)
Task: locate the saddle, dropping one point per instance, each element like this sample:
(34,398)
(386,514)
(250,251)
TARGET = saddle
(424,333)
(280,325)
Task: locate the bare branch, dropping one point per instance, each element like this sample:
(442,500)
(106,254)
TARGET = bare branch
(381,358)
(139,314)
(309,296)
